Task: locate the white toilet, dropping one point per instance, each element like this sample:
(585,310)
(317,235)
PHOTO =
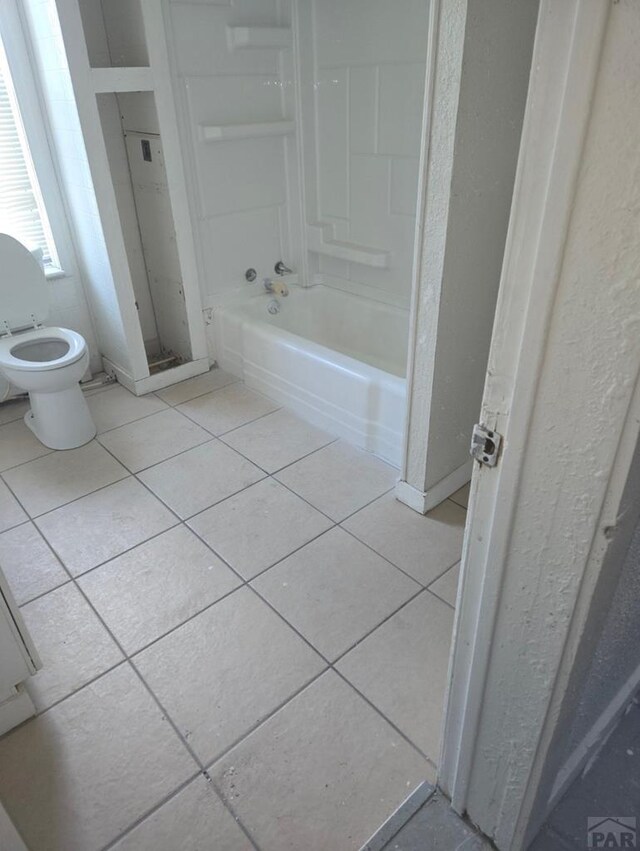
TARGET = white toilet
(46,362)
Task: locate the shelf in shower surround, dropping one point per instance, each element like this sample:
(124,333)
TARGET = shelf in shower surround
(221,132)
(321,240)
(277,38)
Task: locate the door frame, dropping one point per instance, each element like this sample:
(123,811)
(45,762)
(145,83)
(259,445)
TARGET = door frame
(567,52)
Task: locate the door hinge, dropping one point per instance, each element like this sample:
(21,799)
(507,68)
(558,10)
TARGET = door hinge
(485,445)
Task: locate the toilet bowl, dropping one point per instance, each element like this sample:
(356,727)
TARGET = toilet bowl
(48,363)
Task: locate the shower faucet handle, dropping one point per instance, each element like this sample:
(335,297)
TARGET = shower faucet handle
(281,269)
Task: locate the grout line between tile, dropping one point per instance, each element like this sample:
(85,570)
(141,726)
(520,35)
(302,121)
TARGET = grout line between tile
(100,433)
(22,463)
(129,659)
(35,517)
(331,664)
(235,380)
(133,472)
(20,523)
(442,600)
(229,430)
(357,643)
(83,573)
(228,748)
(284,467)
(151,811)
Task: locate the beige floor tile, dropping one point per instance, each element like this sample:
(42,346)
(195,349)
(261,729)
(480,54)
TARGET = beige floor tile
(72,643)
(228,408)
(196,479)
(447,586)
(13,410)
(58,478)
(256,528)
(461,497)
(222,672)
(402,669)
(193,820)
(117,406)
(334,591)
(19,444)
(153,439)
(276,440)
(77,776)
(11,514)
(199,385)
(423,546)
(321,775)
(339,479)
(28,564)
(104,524)
(155,587)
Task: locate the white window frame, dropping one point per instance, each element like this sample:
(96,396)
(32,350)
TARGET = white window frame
(19,59)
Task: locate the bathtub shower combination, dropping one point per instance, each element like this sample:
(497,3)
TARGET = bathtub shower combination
(307,152)
(336,359)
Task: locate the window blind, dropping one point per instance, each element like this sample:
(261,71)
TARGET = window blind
(22,213)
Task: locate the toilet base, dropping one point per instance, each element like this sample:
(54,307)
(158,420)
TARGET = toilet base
(60,420)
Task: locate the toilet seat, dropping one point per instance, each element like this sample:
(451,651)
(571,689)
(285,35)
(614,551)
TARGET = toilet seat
(47,363)
(10,346)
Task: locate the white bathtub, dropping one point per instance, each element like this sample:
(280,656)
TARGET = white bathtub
(336,359)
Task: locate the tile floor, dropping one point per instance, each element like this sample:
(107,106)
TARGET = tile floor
(244,636)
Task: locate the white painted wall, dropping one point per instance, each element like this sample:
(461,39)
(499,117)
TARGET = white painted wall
(114,33)
(69,307)
(483,50)
(365,70)
(114,36)
(77,184)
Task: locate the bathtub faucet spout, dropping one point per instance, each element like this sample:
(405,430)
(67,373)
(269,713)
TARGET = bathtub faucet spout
(276,287)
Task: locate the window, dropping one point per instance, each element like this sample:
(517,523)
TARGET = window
(22,212)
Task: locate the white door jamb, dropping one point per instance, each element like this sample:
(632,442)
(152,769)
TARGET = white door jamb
(566,60)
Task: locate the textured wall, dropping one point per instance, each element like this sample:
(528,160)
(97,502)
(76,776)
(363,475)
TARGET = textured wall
(480,92)
(590,368)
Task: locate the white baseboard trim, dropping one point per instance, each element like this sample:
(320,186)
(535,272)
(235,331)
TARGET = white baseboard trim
(595,738)
(424,501)
(16,709)
(166,378)
(171,376)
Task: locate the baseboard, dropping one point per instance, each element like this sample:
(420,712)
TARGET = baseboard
(15,710)
(595,738)
(121,376)
(166,378)
(399,818)
(424,501)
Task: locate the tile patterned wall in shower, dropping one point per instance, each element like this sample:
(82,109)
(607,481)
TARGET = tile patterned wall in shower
(370,60)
